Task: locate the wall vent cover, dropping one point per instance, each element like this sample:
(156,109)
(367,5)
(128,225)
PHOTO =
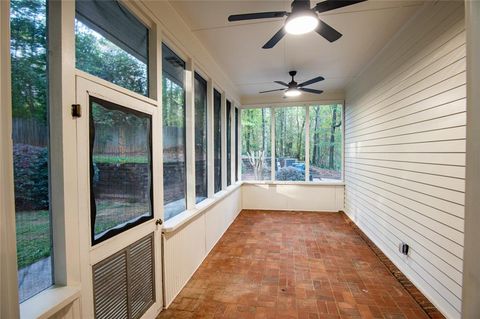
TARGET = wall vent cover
(124,283)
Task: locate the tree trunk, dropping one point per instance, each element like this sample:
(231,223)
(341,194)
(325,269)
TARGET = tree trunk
(316,146)
(299,141)
(263,129)
(332,138)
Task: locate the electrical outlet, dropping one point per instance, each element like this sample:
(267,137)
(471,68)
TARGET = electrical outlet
(404,248)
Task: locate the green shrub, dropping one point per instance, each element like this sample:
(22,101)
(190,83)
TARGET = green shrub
(31,177)
(290,174)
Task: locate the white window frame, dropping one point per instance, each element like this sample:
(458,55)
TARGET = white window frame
(307,106)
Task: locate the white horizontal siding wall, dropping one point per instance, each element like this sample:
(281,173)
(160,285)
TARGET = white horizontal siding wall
(405,151)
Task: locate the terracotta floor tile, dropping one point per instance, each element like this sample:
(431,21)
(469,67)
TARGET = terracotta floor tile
(292,265)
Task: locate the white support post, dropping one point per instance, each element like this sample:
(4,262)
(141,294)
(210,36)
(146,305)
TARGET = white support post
(8,262)
(273,161)
(471,265)
(231,118)
(224,140)
(307,143)
(210,140)
(239,155)
(155,80)
(63,143)
(156,93)
(190,133)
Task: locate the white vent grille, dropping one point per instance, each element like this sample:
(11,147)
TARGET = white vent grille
(142,286)
(124,284)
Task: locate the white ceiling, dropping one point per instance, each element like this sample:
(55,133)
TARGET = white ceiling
(366,29)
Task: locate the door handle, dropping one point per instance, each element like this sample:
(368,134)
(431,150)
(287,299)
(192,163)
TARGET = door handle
(159,221)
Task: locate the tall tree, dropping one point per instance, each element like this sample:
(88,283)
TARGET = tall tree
(331,153)
(316,138)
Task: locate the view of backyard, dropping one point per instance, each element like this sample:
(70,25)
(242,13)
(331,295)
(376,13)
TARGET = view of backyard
(325,140)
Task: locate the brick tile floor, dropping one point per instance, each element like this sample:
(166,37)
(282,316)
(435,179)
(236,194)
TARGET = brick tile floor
(279,265)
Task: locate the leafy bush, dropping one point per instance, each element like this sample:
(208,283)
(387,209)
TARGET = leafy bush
(290,174)
(31,177)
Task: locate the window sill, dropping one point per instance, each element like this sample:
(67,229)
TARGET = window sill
(49,302)
(183,218)
(302,183)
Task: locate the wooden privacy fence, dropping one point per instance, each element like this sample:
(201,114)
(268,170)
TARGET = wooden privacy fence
(29,131)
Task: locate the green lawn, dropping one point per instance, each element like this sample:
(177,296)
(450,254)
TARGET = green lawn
(33,228)
(112,159)
(33,237)
(111,213)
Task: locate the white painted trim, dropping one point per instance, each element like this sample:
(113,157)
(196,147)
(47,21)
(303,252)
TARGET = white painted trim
(273,156)
(293,103)
(157,160)
(303,183)
(190,134)
(471,270)
(185,217)
(63,143)
(119,89)
(8,262)
(239,155)
(49,302)
(223,125)
(307,143)
(232,143)
(210,139)
(90,255)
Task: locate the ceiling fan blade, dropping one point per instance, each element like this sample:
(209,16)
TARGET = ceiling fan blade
(314,80)
(327,31)
(334,4)
(275,39)
(259,15)
(311,91)
(272,90)
(281,83)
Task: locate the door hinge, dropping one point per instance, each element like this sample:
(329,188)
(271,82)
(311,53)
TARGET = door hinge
(76,110)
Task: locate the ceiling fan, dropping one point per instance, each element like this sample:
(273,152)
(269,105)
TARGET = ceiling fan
(295,89)
(301,20)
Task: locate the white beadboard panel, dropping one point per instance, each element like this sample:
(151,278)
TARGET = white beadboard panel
(326,198)
(405,147)
(185,248)
(220,217)
(183,252)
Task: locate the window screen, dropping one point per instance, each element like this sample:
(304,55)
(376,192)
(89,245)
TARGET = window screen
(112,43)
(217,127)
(120,168)
(200,138)
(30,133)
(174,169)
(290,143)
(229,143)
(256,149)
(326,142)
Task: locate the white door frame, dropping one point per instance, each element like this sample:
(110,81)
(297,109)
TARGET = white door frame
(86,86)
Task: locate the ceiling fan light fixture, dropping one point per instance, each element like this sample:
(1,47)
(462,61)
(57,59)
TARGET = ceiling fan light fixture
(301,23)
(292,92)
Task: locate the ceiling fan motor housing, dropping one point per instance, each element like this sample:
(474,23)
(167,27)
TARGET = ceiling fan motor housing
(292,83)
(300,5)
